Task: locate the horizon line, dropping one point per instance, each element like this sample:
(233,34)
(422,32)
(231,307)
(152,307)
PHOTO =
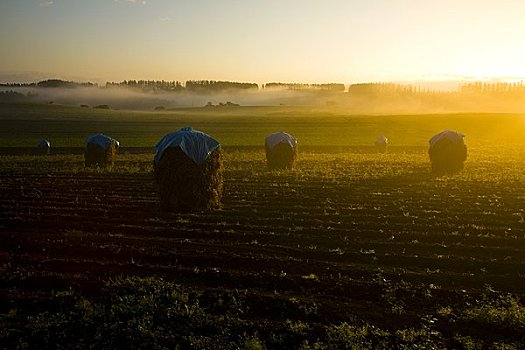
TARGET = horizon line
(23,77)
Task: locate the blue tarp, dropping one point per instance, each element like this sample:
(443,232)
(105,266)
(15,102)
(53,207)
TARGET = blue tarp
(44,144)
(195,144)
(280,137)
(452,135)
(102,140)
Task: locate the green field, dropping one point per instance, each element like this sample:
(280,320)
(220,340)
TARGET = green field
(23,125)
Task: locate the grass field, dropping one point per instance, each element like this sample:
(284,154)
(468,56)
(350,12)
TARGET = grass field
(352,249)
(65,126)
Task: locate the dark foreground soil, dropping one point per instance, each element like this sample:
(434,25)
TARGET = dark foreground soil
(389,252)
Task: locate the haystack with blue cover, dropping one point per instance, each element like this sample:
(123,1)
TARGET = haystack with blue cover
(281,150)
(100,150)
(189,171)
(381,143)
(43,146)
(447,152)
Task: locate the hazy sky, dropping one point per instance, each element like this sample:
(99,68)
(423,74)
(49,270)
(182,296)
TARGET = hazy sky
(260,41)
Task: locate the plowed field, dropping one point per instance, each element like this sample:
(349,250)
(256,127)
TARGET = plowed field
(361,237)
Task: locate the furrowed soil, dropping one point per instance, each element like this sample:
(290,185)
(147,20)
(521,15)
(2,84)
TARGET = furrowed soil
(349,236)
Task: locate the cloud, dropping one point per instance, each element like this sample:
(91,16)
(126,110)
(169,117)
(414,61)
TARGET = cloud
(45,3)
(164,19)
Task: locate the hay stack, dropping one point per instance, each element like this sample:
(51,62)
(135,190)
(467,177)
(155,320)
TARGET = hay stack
(100,150)
(186,186)
(381,144)
(281,150)
(189,182)
(43,146)
(97,155)
(447,152)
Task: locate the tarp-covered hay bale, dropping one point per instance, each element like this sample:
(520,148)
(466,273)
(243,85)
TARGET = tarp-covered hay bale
(447,152)
(189,171)
(100,150)
(43,146)
(281,150)
(381,144)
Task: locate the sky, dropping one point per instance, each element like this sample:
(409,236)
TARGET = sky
(308,41)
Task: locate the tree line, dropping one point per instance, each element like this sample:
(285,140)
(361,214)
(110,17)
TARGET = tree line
(189,85)
(149,85)
(481,89)
(51,83)
(494,89)
(212,85)
(332,87)
(491,89)
(382,89)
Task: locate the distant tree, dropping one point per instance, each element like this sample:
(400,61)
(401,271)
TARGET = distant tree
(18,84)
(331,87)
(148,85)
(217,86)
(501,89)
(55,83)
(381,89)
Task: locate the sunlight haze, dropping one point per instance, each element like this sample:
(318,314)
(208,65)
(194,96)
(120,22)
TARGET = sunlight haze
(344,41)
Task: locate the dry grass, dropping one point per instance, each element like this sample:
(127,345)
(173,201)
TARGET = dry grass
(281,156)
(185,186)
(97,155)
(447,157)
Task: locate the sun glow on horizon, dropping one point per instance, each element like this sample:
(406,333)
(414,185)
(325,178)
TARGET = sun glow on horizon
(344,41)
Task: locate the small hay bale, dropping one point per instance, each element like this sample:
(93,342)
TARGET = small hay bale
(281,150)
(95,154)
(43,147)
(447,152)
(381,144)
(100,150)
(185,186)
(281,156)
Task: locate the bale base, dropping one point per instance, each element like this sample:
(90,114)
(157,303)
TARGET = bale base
(281,156)
(381,147)
(43,150)
(447,157)
(97,155)
(185,186)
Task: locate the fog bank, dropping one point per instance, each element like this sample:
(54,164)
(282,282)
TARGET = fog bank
(365,99)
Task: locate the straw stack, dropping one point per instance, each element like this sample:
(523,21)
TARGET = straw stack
(281,150)
(447,152)
(185,186)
